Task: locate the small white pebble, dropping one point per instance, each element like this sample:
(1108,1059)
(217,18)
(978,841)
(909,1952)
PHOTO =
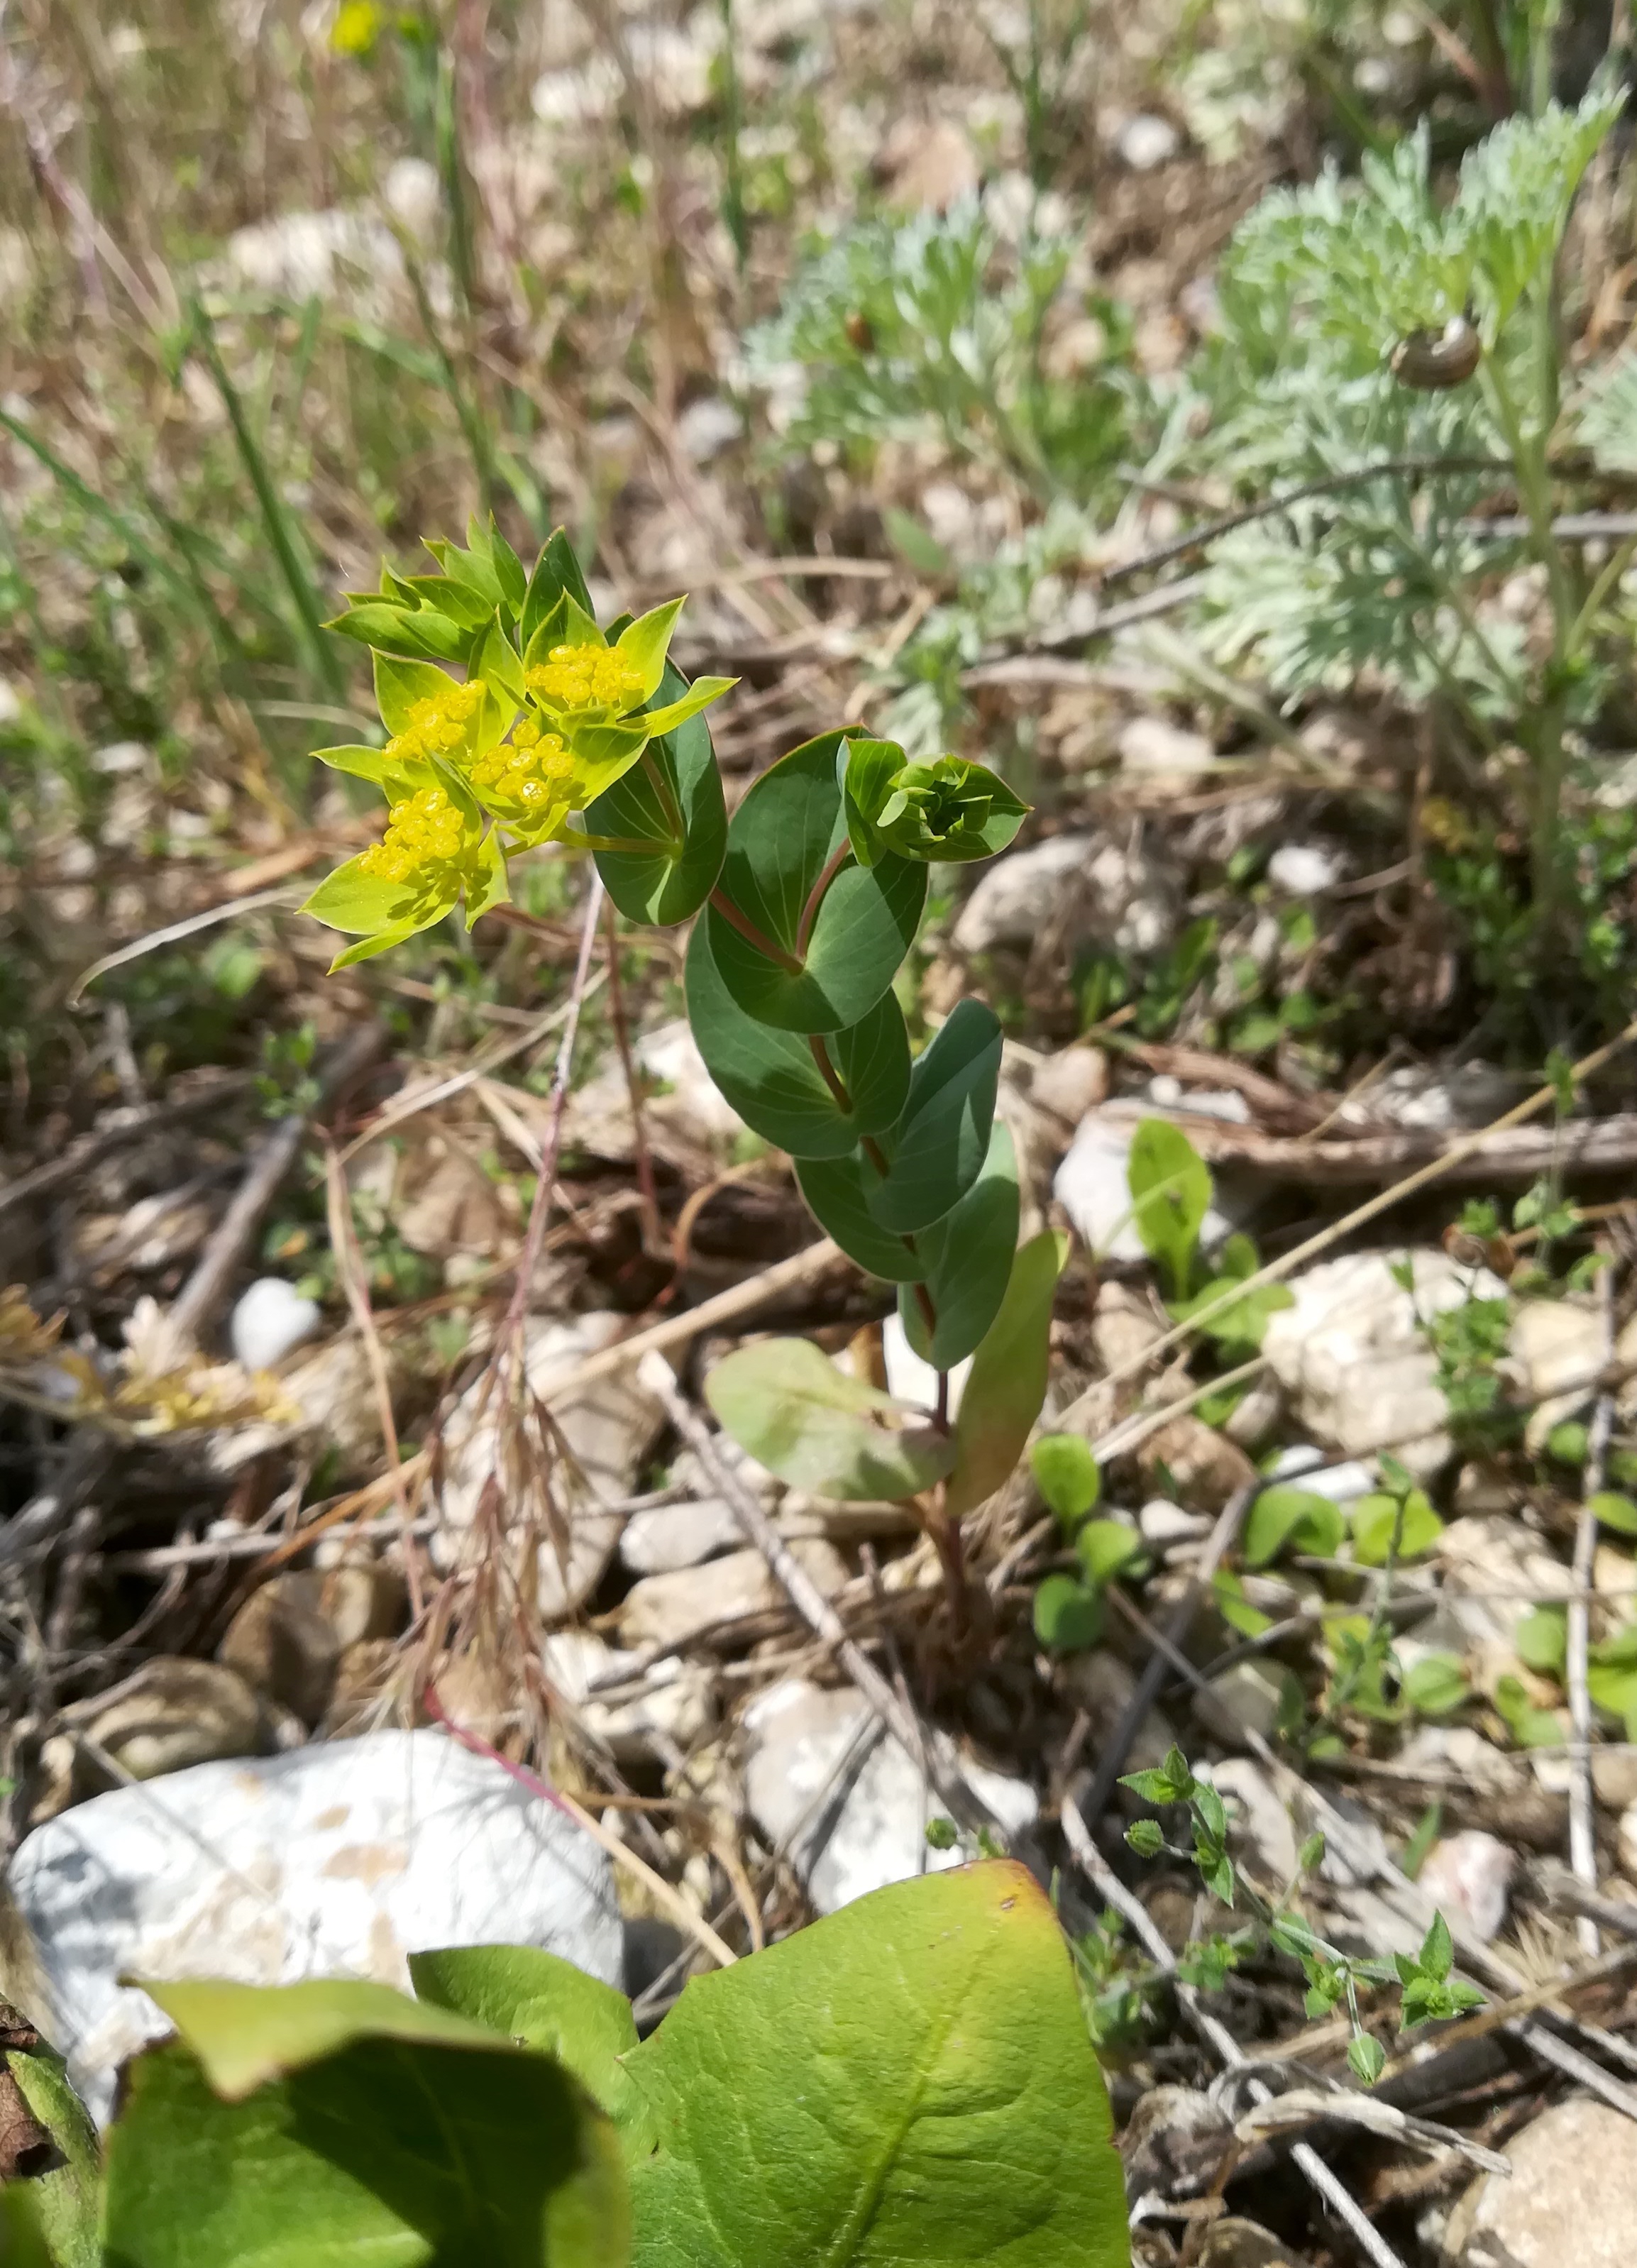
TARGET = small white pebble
(270,1319)
(910,1379)
(1302,870)
(1145,142)
(1164,1523)
(1468,1877)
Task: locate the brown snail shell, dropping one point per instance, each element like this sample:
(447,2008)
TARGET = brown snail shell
(1429,361)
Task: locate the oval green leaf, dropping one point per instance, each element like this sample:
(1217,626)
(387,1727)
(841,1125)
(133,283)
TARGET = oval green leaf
(908,2084)
(1298,1517)
(772,1077)
(1007,1381)
(834,1188)
(789,1407)
(1068,1476)
(1068,1617)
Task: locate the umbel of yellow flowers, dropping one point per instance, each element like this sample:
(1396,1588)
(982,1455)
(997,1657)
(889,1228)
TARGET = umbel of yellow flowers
(549,716)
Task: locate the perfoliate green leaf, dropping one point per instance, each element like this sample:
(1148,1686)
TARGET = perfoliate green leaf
(787,1405)
(400,685)
(1007,1381)
(772,1078)
(834,1188)
(387,772)
(532,1997)
(556,572)
(780,843)
(938,1146)
(968,1261)
(384,941)
(500,666)
(351,899)
(675,777)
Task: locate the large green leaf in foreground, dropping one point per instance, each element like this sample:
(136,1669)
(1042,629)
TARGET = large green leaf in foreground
(332,2125)
(908,2084)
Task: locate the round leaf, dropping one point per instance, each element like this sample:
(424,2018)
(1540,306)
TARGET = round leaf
(790,1407)
(772,1078)
(1298,1517)
(1068,1476)
(907,2082)
(1376,1519)
(1610,1509)
(1068,1617)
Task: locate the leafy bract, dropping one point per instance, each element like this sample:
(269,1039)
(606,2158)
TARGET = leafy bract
(670,882)
(772,1077)
(908,2084)
(790,1407)
(315,2125)
(968,1261)
(1007,1381)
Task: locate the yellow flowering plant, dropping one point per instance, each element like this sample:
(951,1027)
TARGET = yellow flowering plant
(512,718)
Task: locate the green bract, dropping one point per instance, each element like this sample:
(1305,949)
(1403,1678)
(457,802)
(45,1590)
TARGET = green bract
(512,718)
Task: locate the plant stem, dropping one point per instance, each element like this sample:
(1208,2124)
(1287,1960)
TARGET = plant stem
(833,866)
(829,1074)
(575,841)
(752,935)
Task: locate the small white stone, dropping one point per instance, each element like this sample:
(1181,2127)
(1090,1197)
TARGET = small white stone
(1146,140)
(338,1859)
(909,1379)
(413,195)
(269,1321)
(1092,1187)
(1340,1484)
(672,1535)
(707,427)
(1151,745)
(877,1832)
(1243,1699)
(1017,892)
(121,756)
(1163,1523)
(1469,1878)
(1303,870)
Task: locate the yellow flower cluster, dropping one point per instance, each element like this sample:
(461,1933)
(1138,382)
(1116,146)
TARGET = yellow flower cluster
(425,829)
(436,725)
(585,677)
(533,769)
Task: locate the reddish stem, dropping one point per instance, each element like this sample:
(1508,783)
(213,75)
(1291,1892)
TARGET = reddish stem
(752,935)
(833,866)
(829,1074)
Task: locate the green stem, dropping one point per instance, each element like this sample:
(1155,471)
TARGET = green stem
(576,841)
(654,772)
(1608,576)
(752,935)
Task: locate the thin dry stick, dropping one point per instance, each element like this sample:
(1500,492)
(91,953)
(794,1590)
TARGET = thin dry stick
(652,1236)
(349,1267)
(1583,1816)
(1276,1270)
(805,1596)
(1218,1543)
(270,1159)
(665,1894)
(1217,2036)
